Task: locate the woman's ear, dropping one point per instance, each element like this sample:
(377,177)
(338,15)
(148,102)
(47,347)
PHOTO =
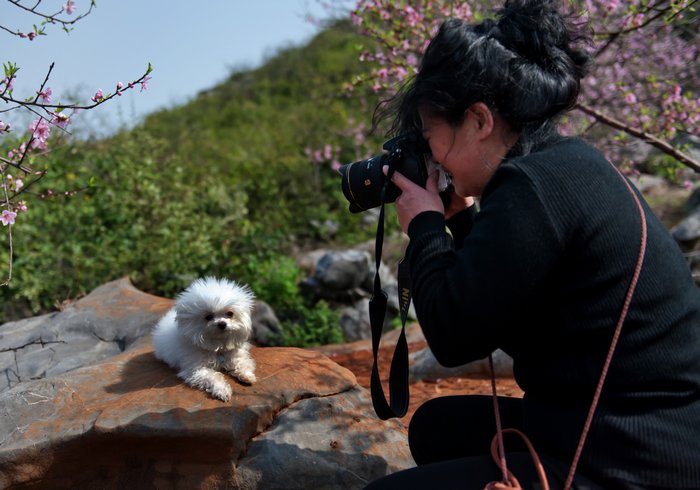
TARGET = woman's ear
(483,119)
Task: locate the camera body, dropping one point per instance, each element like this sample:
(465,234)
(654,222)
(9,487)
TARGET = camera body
(364,180)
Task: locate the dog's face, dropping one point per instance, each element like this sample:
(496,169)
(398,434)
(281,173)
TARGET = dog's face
(215,313)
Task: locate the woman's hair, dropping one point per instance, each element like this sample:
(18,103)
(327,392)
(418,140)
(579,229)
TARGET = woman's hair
(523,64)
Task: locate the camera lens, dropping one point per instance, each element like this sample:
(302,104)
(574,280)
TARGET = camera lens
(362,183)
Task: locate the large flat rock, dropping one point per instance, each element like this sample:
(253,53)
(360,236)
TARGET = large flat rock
(129,422)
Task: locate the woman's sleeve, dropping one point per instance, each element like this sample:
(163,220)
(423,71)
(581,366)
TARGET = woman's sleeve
(460,225)
(465,298)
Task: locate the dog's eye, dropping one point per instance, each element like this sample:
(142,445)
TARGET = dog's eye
(209,317)
(229,314)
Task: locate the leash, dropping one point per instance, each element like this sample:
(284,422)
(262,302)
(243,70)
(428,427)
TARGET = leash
(497,448)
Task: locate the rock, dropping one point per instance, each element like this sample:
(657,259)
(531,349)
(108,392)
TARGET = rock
(266,325)
(424,366)
(645,182)
(338,439)
(343,269)
(688,230)
(354,320)
(130,423)
(108,321)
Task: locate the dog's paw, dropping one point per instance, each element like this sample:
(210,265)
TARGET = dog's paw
(221,390)
(247,377)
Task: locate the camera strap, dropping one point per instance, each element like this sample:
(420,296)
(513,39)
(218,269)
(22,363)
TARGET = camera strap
(398,373)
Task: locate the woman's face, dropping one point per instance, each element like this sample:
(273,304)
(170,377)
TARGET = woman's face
(458,149)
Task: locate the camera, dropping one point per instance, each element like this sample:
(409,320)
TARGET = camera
(363,181)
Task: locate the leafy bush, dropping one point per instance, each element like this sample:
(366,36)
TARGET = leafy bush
(275,280)
(221,186)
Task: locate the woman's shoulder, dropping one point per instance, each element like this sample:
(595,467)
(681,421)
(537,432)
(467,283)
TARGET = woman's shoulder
(561,150)
(564,161)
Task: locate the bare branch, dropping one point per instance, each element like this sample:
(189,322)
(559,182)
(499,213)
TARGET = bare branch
(652,140)
(9,232)
(50,18)
(56,107)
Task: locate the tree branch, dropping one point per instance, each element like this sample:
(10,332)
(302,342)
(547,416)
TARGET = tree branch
(652,140)
(660,11)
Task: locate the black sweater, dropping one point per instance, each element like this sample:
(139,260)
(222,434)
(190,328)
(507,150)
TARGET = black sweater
(541,271)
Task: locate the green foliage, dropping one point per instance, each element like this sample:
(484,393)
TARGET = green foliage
(665,166)
(221,186)
(275,280)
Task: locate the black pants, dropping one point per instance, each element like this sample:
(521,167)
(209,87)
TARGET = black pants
(450,439)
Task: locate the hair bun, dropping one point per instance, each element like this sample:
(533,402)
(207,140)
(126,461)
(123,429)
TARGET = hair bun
(540,33)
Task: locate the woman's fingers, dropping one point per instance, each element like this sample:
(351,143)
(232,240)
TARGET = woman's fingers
(404,183)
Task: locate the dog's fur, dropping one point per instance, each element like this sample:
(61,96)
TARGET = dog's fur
(207,331)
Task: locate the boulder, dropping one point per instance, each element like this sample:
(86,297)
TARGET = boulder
(108,321)
(424,366)
(129,422)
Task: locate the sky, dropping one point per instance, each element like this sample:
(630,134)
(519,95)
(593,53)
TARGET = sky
(192,46)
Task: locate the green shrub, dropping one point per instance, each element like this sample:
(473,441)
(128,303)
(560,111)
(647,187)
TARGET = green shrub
(221,186)
(275,279)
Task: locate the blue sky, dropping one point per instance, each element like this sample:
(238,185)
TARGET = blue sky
(192,46)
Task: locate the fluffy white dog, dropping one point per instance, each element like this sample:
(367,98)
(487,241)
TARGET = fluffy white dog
(207,332)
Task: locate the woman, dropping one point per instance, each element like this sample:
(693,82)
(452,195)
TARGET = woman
(541,271)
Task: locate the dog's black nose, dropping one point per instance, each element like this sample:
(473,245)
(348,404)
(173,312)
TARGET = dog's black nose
(221,325)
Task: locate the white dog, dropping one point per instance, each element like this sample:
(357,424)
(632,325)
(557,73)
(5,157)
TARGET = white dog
(207,331)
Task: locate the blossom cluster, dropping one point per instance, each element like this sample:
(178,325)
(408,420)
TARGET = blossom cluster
(645,58)
(16,173)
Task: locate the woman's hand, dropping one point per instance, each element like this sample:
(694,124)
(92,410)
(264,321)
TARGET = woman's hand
(456,203)
(414,199)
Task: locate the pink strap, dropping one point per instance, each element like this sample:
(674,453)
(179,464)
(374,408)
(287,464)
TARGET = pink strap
(509,481)
(616,335)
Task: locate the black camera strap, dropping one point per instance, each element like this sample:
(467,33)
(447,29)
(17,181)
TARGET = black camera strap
(398,373)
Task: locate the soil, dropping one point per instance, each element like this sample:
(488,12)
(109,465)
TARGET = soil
(359,361)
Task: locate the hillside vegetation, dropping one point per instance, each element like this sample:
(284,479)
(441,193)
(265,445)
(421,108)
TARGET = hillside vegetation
(221,186)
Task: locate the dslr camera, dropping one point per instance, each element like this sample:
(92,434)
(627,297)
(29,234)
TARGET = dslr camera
(363,181)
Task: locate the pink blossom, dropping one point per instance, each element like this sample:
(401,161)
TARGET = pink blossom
(630,98)
(31,35)
(8,217)
(144,83)
(22,206)
(18,184)
(69,7)
(17,153)
(98,97)
(412,59)
(382,73)
(40,133)
(8,82)
(46,95)
(400,72)
(60,120)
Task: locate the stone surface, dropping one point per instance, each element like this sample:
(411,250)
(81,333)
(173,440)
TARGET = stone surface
(130,423)
(424,366)
(109,320)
